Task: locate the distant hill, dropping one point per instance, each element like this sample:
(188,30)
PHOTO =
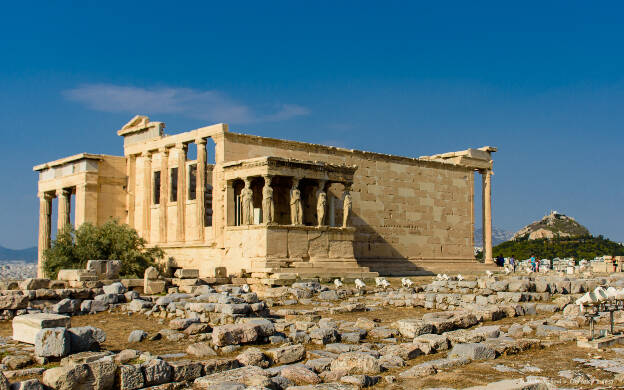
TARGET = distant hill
(579,247)
(498,236)
(28,254)
(552,225)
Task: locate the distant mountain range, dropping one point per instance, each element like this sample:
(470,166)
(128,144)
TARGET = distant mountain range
(28,254)
(498,236)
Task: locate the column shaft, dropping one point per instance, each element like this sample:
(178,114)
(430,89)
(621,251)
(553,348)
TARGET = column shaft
(201,186)
(487,216)
(64,207)
(181,200)
(164,194)
(147,194)
(45,225)
(130,188)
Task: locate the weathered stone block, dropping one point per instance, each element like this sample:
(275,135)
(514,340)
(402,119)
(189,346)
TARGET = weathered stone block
(52,342)
(154,286)
(286,354)
(157,372)
(356,363)
(130,377)
(26,327)
(34,284)
(13,301)
(185,282)
(297,243)
(472,351)
(183,273)
(114,288)
(86,338)
(237,375)
(186,370)
(235,334)
(77,275)
(412,327)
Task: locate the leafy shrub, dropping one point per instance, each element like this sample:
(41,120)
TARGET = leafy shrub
(71,249)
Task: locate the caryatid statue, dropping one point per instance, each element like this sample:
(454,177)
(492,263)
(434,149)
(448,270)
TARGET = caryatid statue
(321,204)
(247,204)
(296,211)
(346,209)
(268,208)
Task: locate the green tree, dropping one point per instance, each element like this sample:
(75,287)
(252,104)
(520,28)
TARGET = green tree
(71,249)
(579,247)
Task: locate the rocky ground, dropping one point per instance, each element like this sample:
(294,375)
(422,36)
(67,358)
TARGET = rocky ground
(17,270)
(512,332)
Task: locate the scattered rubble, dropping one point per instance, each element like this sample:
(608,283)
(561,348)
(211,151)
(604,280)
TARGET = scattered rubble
(306,335)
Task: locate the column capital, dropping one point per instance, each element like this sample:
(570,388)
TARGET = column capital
(200,141)
(45,196)
(63,192)
(164,150)
(181,145)
(146,153)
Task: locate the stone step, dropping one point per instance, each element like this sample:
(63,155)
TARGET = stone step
(302,271)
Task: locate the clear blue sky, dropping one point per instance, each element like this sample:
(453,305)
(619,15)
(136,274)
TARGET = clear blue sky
(542,81)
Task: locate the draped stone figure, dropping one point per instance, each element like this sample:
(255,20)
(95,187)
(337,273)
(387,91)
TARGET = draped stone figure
(346,210)
(247,204)
(296,210)
(321,206)
(268,208)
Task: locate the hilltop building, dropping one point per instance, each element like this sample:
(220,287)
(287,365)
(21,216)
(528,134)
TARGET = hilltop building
(270,206)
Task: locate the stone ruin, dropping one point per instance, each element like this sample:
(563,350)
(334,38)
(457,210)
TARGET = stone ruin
(281,337)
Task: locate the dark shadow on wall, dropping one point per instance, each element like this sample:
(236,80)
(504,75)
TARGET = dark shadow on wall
(391,263)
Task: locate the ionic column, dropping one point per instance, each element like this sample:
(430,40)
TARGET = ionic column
(130,188)
(164,194)
(181,205)
(147,193)
(201,186)
(64,207)
(487,215)
(45,227)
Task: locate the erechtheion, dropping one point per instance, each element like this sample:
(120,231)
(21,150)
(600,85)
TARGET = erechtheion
(274,206)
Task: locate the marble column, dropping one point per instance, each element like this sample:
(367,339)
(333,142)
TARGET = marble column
(147,194)
(130,188)
(487,215)
(64,206)
(181,199)
(45,227)
(201,186)
(164,194)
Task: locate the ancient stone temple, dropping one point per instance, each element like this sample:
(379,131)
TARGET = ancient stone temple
(274,206)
